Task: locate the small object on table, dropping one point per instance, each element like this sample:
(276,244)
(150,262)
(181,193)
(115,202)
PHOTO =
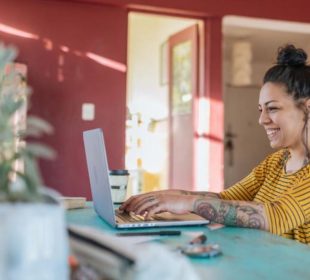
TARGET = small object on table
(73,202)
(118,180)
(196,248)
(215,226)
(201,239)
(202,251)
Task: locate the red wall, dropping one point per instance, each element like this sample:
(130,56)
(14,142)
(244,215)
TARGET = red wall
(84,28)
(101,28)
(297,10)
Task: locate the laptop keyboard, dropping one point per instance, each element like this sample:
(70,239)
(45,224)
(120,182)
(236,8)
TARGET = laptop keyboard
(130,217)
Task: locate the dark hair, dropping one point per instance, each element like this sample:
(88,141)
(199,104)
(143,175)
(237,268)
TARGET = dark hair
(292,71)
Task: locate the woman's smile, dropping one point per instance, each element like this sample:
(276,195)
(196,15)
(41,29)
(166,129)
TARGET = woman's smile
(272,133)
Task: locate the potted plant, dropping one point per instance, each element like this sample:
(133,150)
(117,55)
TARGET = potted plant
(33,237)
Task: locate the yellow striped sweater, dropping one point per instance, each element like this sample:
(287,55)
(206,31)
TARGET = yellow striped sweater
(286,196)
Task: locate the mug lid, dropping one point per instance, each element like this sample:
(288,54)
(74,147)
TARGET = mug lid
(119,172)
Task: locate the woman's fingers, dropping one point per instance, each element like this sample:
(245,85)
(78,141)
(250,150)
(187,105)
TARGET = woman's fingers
(136,200)
(142,204)
(131,203)
(154,202)
(146,200)
(126,203)
(147,204)
(157,208)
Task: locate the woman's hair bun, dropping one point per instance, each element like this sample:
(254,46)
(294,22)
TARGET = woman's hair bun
(289,55)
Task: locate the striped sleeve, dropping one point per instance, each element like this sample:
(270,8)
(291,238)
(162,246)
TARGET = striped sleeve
(247,188)
(291,210)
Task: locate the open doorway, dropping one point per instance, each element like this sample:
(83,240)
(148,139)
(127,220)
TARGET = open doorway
(250,48)
(149,121)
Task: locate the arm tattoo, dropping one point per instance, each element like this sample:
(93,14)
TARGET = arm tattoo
(232,213)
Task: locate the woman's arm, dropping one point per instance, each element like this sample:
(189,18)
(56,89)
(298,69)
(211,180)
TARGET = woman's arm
(200,194)
(228,212)
(247,214)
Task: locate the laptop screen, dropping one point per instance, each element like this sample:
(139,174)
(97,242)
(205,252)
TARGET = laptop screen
(98,172)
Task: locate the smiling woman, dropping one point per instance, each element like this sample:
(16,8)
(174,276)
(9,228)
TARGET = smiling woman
(275,196)
(281,118)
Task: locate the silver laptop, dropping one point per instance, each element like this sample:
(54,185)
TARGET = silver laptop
(101,191)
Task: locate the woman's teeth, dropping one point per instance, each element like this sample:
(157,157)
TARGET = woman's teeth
(272,131)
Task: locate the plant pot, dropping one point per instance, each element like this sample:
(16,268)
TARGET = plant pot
(33,241)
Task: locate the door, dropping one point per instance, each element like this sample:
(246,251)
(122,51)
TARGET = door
(183,92)
(246,143)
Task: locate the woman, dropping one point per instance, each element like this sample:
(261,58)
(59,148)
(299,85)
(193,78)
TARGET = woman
(275,196)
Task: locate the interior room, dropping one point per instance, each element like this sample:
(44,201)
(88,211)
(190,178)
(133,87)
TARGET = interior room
(147,94)
(77,73)
(259,40)
(105,102)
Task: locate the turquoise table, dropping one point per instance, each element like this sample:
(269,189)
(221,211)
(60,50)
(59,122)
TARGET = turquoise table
(247,254)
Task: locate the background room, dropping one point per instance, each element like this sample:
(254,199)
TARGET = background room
(115,60)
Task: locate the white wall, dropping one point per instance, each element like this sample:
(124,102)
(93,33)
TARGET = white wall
(241,116)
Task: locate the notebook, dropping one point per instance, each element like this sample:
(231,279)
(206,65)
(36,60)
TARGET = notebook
(98,172)
(73,202)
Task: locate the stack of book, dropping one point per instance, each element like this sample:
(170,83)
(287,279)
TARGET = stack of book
(70,202)
(101,253)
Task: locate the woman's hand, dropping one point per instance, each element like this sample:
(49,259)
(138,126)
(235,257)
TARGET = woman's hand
(148,204)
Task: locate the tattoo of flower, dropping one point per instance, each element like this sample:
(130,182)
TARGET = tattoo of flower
(231,213)
(205,210)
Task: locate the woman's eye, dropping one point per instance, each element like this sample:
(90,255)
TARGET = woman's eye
(271,109)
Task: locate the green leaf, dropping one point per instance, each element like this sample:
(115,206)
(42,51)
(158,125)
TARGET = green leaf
(40,151)
(13,99)
(7,54)
(6,135)
(37,127)
(31,174)
(9,106)
(5,170)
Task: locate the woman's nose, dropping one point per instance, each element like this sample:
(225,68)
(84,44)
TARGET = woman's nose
(263,118)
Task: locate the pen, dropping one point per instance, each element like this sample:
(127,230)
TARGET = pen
(162,232)
(201,239)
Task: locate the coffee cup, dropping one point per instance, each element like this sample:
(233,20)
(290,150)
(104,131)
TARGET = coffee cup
(118,181)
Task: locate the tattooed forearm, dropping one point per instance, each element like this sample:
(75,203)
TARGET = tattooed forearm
(232,213)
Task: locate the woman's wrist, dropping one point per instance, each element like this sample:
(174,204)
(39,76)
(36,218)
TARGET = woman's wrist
(192,201)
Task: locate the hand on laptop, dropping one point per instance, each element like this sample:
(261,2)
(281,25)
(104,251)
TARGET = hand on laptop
(148,204)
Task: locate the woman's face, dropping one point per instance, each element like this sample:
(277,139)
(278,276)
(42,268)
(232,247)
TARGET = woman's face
(282,119)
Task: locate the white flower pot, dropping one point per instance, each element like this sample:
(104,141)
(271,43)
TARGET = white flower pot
(33,242)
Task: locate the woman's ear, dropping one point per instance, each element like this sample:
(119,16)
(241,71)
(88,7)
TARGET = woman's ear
(308,105)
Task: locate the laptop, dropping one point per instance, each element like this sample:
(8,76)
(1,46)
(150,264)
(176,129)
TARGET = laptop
(98,171)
